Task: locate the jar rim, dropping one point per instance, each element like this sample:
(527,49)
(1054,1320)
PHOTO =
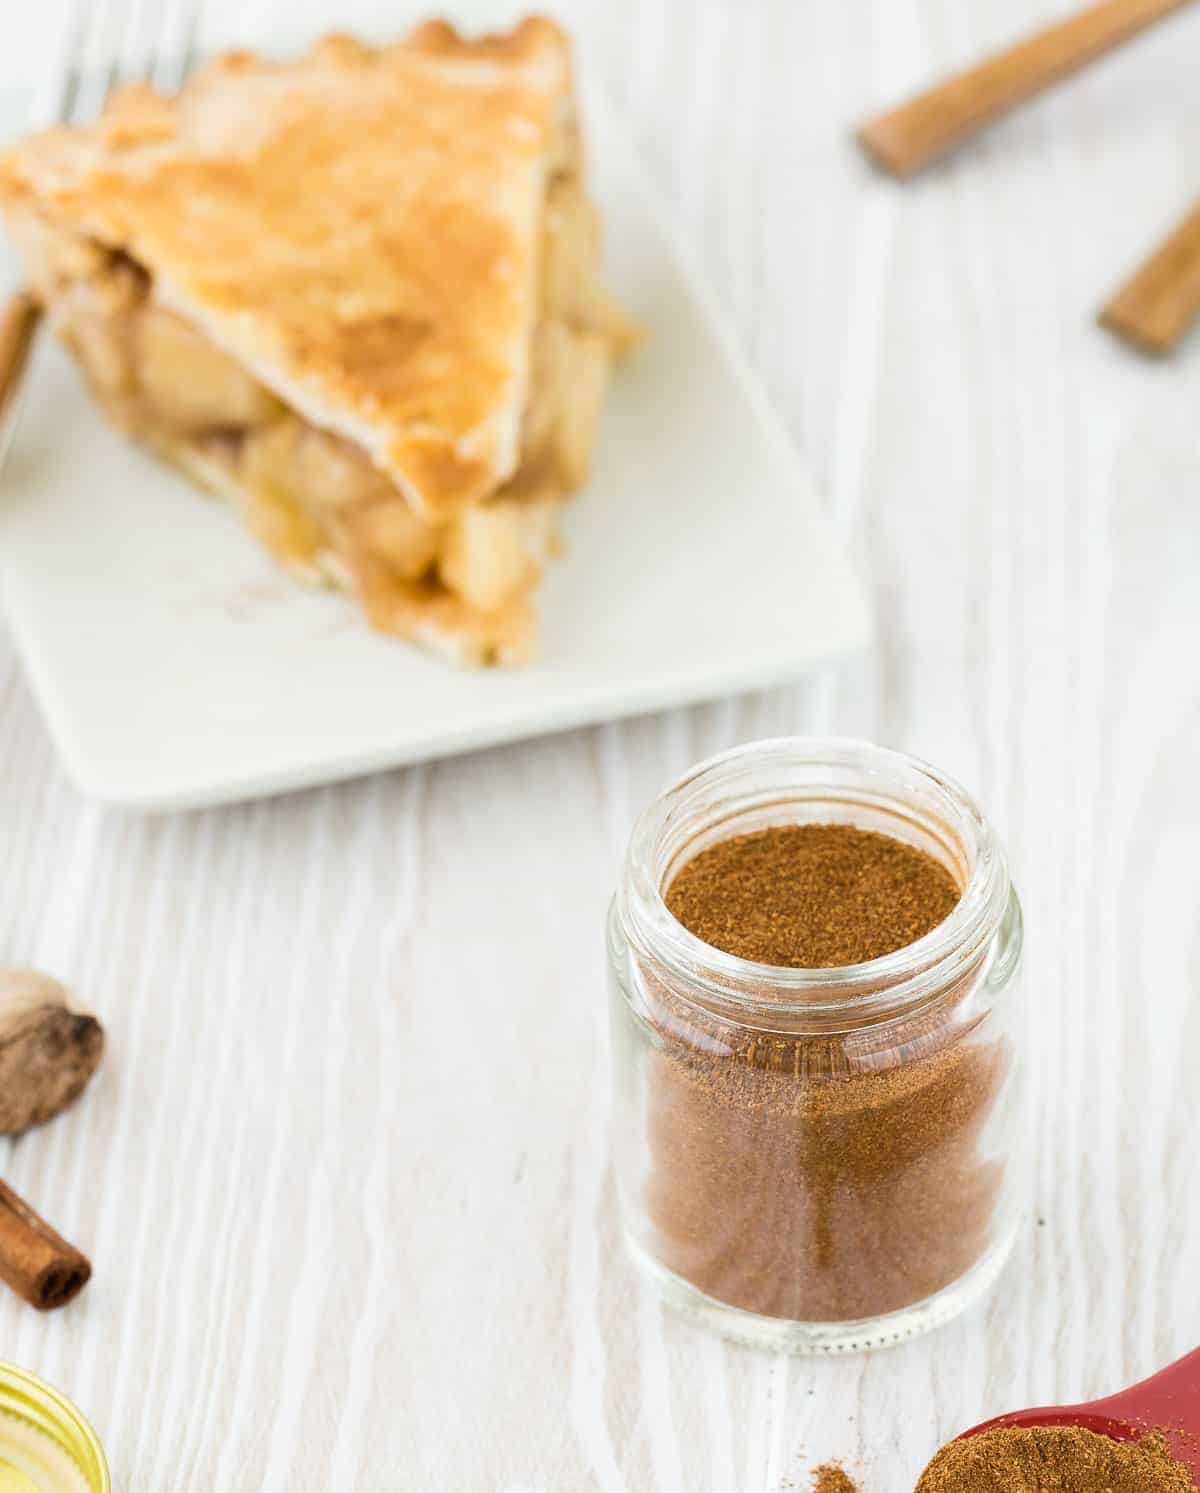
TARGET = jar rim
(34,1400)
(872,988)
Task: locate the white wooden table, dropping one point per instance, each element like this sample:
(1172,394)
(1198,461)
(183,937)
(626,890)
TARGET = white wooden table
(344,1176)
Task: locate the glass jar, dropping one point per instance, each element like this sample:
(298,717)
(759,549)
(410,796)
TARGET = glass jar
(46,1445)
(817,1159)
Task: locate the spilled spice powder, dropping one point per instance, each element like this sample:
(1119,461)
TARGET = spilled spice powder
(821,1176)
(811,896)
(833,1478)
(1055,1459)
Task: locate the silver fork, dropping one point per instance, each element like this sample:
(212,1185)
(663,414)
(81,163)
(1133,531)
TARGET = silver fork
(104,43)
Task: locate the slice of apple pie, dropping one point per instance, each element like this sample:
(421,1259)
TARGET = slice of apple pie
(359,295)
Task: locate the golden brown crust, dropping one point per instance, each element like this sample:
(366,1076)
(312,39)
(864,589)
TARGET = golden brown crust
(393,298)
(533,38)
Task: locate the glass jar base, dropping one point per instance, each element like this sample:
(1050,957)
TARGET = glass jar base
(781,1335)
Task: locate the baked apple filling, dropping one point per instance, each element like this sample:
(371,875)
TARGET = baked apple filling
(313,498)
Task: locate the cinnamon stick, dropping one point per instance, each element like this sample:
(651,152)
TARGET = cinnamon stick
(35,1261)
(1154,308)
(907,138)
(18,321)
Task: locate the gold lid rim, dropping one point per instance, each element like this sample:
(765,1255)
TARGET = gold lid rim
(35,1392)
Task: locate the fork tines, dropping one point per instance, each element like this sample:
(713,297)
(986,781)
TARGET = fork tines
(105,43)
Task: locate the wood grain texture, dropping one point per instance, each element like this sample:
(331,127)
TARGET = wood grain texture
(344,1177)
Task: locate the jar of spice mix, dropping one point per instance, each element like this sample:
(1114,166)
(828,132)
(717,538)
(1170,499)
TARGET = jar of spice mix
(817,1158)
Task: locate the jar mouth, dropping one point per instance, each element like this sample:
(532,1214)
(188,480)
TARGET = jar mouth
(816,779)
(48,1411)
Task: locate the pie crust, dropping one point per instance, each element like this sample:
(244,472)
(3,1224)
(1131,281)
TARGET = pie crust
(357,294)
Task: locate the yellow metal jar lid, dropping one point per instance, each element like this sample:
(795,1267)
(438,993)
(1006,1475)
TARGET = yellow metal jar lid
(46,1446)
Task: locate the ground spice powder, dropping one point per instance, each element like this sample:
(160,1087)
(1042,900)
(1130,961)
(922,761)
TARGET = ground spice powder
(811,896)
(818,1177)
(833,1478)
(1055,1459)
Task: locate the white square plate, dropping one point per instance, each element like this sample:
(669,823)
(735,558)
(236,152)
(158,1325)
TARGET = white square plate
(176,666)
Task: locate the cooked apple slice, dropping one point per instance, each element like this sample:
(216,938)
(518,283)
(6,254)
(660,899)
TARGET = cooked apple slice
(588,364)
(332,473)
(99,349)
(291,534)
(317,469)
(485,560)
(395,534)
(190,382)
(495,552)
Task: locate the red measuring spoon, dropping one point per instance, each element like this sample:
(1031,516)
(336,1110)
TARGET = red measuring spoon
(1169,1401)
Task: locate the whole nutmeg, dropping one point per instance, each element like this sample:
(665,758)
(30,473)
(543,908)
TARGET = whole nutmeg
(48,1049)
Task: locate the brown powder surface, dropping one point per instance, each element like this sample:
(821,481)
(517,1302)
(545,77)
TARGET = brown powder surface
(1055,1459)
(811,896)
(785,1181)
(832,1477)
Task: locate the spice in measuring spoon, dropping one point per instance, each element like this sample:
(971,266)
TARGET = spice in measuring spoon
(1056,1459)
